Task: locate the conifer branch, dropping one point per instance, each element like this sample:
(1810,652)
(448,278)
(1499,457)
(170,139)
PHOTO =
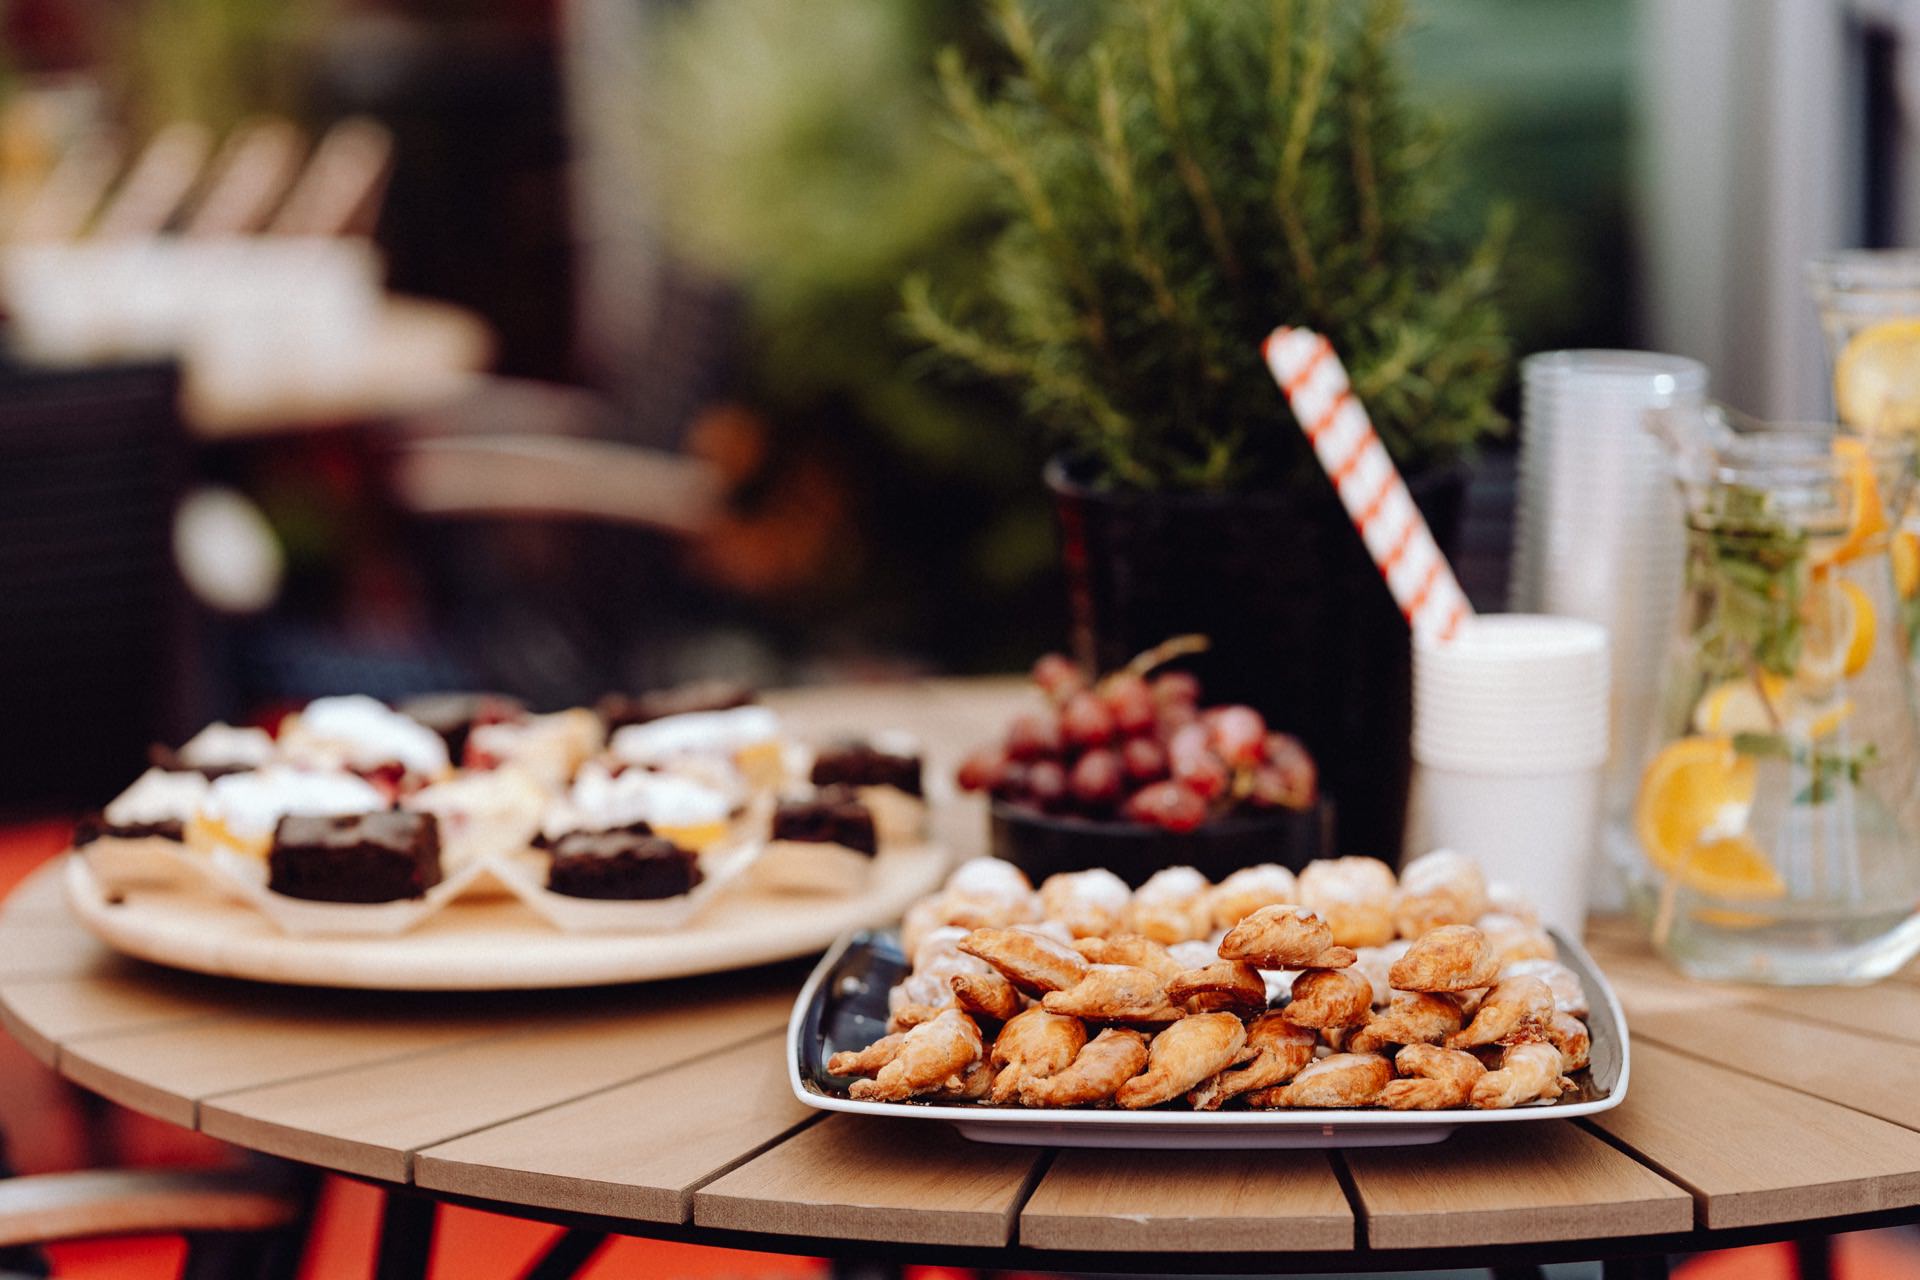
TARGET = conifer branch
(1280,57)
(1116,161)
(1166,101)
(1306,106)
(1001,152)
(1016,32)
(1382,21)
(1114,431)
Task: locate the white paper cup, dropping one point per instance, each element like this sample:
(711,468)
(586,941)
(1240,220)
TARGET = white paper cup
(1534,831)
(1518,645)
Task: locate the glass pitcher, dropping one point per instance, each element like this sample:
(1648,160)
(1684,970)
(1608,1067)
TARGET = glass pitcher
(1778,814)
(1869,304)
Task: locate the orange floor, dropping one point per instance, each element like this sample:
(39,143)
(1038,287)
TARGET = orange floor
(47,1130)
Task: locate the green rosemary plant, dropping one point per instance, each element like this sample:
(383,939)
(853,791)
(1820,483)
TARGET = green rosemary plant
(1183,175)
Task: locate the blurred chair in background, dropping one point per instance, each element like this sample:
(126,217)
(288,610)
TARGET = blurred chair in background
(249,1221)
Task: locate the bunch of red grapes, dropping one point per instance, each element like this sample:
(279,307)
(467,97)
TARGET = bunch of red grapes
(1140,749)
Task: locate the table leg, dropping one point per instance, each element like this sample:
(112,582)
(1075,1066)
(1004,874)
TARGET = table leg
(565,1256)
(1649,1268)
(1813,1257)
(406,1238)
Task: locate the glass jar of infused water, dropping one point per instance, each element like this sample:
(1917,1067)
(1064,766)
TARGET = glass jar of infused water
(1778,815)
(1869,303)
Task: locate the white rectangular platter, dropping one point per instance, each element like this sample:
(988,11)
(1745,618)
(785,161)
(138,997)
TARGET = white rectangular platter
(844,1006)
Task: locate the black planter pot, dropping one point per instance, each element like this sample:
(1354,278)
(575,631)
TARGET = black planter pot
(1302,624)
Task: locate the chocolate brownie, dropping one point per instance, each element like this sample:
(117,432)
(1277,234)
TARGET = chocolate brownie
(620,710)
(94,826)
(362,857)
(833,816)
(621,865)
(861,764)
(453,715)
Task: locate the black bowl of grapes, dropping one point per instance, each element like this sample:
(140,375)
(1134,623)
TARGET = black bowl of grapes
(1132,772)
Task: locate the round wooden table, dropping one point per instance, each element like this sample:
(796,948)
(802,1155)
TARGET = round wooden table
(664,1111)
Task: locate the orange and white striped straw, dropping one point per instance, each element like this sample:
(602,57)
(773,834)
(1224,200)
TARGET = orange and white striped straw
(1370,487)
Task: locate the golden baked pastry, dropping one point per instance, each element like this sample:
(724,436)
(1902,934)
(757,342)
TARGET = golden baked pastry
(1249,889)
(1455,957)
(1413,1017)
(1091,904)
(1032,962)
(1032,1046)
(1528,1072)
(1171,906)
(1280,1050)
(928,1057)
(867,1061)
(1108,1061)
(1115,993)
(1285,936)
(1343,1080)
(986,995)
(1432,1079)
(1439,888)
(1132,949)
(1354,896)
(1229,986)
(1330,998)
(1183,1055)
(1515,939)
(1570,1036)
(1513,1005)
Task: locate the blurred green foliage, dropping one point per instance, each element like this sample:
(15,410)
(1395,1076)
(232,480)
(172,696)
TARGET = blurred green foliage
(806,157)
(1191,175)
(802,160)
(215,62)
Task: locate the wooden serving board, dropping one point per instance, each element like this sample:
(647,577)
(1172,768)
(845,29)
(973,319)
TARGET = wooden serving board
(496,943)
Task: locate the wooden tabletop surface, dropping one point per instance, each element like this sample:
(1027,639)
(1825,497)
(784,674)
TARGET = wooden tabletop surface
(666,1107)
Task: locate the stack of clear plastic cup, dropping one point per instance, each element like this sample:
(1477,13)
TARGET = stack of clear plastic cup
(1510,741)
(1598,529)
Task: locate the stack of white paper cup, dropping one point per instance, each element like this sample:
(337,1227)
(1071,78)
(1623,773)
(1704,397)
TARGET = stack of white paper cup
(1510,725)
(1599,531)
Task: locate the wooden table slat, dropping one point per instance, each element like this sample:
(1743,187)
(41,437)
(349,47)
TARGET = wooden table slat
(167,1071)
(45,1013)
(49,949)
(1180,1201)
(637,1151)
(1884,1010)
(858,1178)
(1887,1009)
(1503,1184)
(369,1120)
(1868,1073)
(39,899)
(1753,1152)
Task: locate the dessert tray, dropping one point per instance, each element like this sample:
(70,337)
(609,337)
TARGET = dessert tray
(464,842)
(844,1005)
(489,942)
